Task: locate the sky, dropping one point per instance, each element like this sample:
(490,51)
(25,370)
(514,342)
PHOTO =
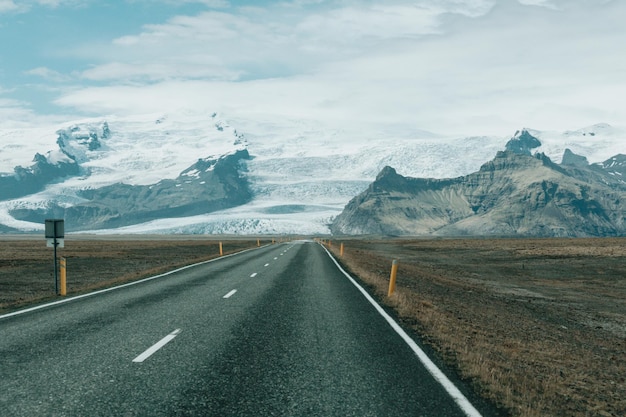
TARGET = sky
(456,67)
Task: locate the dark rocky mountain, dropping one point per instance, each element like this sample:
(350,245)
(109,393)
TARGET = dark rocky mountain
(615,166)
(515,194)
(570,158)
(34,178)
(206,186)
(74,143)
(523,143)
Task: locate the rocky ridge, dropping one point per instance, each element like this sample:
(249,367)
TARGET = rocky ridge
(76,145)
(515,194)
(206,186)
(210,184)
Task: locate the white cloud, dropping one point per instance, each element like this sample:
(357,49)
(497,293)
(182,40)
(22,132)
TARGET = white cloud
(464,66)
(48,74)
(7,6)
(203,67)
(543,3)
(14,113)
(352,25)
(50,3)
(7,102)
(25,6)
(215,4)
(276,41)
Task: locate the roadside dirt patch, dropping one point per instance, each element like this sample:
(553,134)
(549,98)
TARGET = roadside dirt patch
(536,325)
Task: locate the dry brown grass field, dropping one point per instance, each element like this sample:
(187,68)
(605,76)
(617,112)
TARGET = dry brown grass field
(27,265)
(538,326)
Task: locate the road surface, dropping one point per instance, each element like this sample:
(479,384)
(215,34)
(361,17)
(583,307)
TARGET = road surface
(276,331)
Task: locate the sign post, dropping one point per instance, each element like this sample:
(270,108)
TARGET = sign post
(55,234)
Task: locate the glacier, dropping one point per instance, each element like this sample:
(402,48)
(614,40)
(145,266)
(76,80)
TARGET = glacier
(301,174)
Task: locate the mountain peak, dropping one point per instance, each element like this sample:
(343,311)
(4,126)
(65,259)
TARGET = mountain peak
(78,140)
(389,178)
(570,158)
(593,130)
(386,172)
(522,142)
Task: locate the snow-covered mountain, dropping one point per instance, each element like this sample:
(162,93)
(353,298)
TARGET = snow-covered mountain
(300,174)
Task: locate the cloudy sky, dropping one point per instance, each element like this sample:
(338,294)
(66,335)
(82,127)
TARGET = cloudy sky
(448,66)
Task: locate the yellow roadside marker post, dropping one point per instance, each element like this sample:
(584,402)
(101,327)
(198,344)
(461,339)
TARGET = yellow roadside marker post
(341,250)
(63,278)
(221,250)
(392,278)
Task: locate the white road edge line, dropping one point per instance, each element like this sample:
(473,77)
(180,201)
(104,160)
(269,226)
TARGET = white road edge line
(230,294)
(253,275)
(78,297)
(439,376)
(154,348)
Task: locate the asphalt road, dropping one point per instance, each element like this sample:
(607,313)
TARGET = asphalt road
(277,331)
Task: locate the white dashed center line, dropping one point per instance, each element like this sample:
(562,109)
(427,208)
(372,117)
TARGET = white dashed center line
(156,346)
(230,294)
(253,275)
